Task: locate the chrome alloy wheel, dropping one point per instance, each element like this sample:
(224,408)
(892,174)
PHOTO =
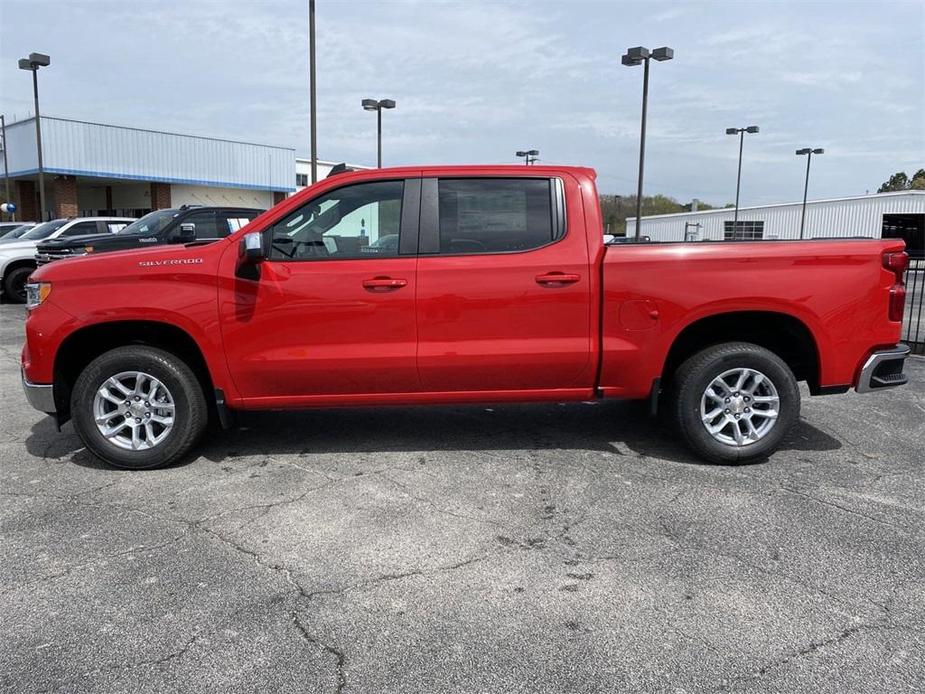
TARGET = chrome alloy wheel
(133,410)
(739,407)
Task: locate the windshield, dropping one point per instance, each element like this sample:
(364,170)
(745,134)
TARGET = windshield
(151,223)
(16,232)
(43,231)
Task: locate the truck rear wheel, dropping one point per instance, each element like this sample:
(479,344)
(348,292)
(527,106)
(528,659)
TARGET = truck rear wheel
(138,407)
(734,402)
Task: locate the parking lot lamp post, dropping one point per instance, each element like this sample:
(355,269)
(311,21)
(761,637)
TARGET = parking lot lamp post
(6,162)
(741,133)
(313,114)
(377,106)
(808,152)
(33,63)
(632,57)
(529,155)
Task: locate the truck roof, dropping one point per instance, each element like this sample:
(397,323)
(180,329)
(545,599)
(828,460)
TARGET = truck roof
(475,169)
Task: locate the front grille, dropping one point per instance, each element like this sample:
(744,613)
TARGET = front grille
(46,256)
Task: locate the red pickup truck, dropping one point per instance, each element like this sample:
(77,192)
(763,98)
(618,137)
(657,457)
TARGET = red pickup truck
(456,285)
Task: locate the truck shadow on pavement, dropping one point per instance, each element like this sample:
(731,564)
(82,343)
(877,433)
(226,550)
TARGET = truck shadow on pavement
(619,427)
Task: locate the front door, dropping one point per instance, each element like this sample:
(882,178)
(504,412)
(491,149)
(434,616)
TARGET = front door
(504,292)
(333,310)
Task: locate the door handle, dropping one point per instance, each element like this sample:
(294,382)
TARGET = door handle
(384,283)
(557,278)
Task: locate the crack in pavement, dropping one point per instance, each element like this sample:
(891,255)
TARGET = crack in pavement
(853,512)
(172,655)
(807,650)
(340,658)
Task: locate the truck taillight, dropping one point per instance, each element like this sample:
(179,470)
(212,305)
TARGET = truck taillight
(897,264)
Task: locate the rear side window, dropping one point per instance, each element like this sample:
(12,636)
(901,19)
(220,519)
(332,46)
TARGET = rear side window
(206,225)
(495,215)
(236,220)
(81,229)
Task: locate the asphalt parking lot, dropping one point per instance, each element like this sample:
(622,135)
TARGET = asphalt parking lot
(503,549)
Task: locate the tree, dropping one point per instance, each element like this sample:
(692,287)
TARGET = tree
(616,208)
(900,181)
(918,180)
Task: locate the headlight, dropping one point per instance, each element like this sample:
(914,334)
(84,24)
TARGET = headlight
(36,293)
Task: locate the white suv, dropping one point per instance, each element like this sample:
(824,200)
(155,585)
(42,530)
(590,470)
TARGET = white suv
(17,258)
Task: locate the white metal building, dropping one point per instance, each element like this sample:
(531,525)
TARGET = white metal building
(95,168)
(894,215)
(303,171)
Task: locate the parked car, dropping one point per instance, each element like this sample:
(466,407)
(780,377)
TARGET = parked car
(17,258)
(13,230)
(179,225)
(499,289)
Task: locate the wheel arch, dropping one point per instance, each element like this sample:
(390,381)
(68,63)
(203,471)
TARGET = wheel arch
(82,346)
(781,333)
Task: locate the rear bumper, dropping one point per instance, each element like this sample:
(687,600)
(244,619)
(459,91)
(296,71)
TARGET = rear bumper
(883,369)
(40,396)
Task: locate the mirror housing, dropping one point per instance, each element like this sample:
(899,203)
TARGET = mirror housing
(253,249)
(186,234)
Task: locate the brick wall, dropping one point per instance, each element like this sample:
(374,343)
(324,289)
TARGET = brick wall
(25,196)
(65,188)
(160,196)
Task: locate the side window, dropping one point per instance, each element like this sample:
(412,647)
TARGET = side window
(358,221)
(206,225)
(113,227)
(236,220)
(495,215)
(81,229)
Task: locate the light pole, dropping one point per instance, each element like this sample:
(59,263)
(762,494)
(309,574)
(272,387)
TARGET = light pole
(529,155)
(313,111)
(377,106)
(741,133)
(809,152)
(635,56)
(33,63)
(6,162)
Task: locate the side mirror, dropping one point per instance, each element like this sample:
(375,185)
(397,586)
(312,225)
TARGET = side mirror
(187,233)
(252,247)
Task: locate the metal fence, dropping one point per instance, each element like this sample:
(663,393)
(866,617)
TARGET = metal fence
(914,316)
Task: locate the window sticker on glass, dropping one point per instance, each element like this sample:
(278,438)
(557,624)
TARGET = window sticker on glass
(235,223)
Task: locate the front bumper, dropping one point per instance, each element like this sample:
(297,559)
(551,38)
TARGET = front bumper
(883,369)
(40,396)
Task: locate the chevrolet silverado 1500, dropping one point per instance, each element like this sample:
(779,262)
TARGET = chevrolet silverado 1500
(456,285)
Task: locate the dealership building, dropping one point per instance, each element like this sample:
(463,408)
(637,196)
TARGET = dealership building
(883,215)
(99,169)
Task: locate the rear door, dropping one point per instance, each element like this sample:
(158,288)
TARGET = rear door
(332,311)
(504,299)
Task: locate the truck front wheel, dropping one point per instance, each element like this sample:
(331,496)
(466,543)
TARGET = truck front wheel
(734,402)
(138,407)
(14,283)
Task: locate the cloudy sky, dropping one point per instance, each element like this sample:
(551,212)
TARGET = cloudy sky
(476,80)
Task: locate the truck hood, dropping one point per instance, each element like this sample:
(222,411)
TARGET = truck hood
(131,262)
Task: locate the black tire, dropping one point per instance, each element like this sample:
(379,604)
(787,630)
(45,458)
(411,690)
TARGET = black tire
(190,413)
(698,372)
(14,284)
